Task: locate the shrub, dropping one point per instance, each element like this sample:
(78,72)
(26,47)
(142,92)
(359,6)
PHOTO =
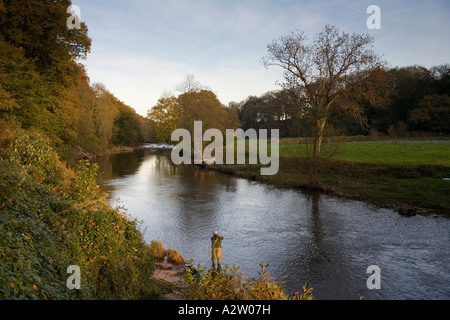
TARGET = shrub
(157,250)
(204,285)
(8,130)
(264,287)
(232,284)
(175,257)
(33,152)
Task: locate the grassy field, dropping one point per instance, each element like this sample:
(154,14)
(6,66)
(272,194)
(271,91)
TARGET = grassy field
(400,173)
(395,152)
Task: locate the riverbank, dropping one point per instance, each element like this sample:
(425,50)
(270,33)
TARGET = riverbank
(170,276)
(407,189)
(55,220)
(81,154)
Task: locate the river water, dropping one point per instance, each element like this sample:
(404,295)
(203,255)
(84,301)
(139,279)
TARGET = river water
(304,237)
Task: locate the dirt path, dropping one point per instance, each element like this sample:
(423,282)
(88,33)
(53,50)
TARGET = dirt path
(172,275)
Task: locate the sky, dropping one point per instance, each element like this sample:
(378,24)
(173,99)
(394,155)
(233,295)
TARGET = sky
(142,49)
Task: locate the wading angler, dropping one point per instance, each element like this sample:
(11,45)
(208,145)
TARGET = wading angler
(189,149)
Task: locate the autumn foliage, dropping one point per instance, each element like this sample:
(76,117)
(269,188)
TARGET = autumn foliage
(53,217)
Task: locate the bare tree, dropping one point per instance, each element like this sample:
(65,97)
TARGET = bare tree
(326,72)
(440,71)
(190,85)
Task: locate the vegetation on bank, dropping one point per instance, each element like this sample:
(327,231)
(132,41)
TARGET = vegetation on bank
(53,217)
(44,87)
(231,283)
(172,256)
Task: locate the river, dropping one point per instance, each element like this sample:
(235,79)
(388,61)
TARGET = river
(305,237)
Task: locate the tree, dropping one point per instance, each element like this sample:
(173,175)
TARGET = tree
(86,128)
(39,72)
(40,29)
(232,119)
(272,110)
(128,127)
(98,112)
(433,114)
(441,75)
(409,85)
(164,117)
(190,85)
(326,71)
(23,91)
(249,112)
(201,106)
(106,112)
(44,87)
(204,106)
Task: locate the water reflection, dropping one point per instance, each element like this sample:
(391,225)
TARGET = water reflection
(305,236)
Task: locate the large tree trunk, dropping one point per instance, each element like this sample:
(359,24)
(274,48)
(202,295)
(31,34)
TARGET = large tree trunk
(320,126)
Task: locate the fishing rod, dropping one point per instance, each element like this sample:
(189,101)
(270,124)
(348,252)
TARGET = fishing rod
(231,220)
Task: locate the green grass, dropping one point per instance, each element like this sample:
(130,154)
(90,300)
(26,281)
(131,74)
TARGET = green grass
(403,152)
(384,185)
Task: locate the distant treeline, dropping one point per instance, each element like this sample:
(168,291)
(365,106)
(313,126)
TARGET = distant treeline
(409,99)
(44,87)
(414,98)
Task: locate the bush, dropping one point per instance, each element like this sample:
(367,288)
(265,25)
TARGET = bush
(232,284)
(157,250)
(175,257)
(8,131)
(33,152)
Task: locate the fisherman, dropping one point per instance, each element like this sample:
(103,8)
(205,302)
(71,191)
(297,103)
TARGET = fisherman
(216,248)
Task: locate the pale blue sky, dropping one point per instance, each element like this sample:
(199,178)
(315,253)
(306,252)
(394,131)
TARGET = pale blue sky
(142,48)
